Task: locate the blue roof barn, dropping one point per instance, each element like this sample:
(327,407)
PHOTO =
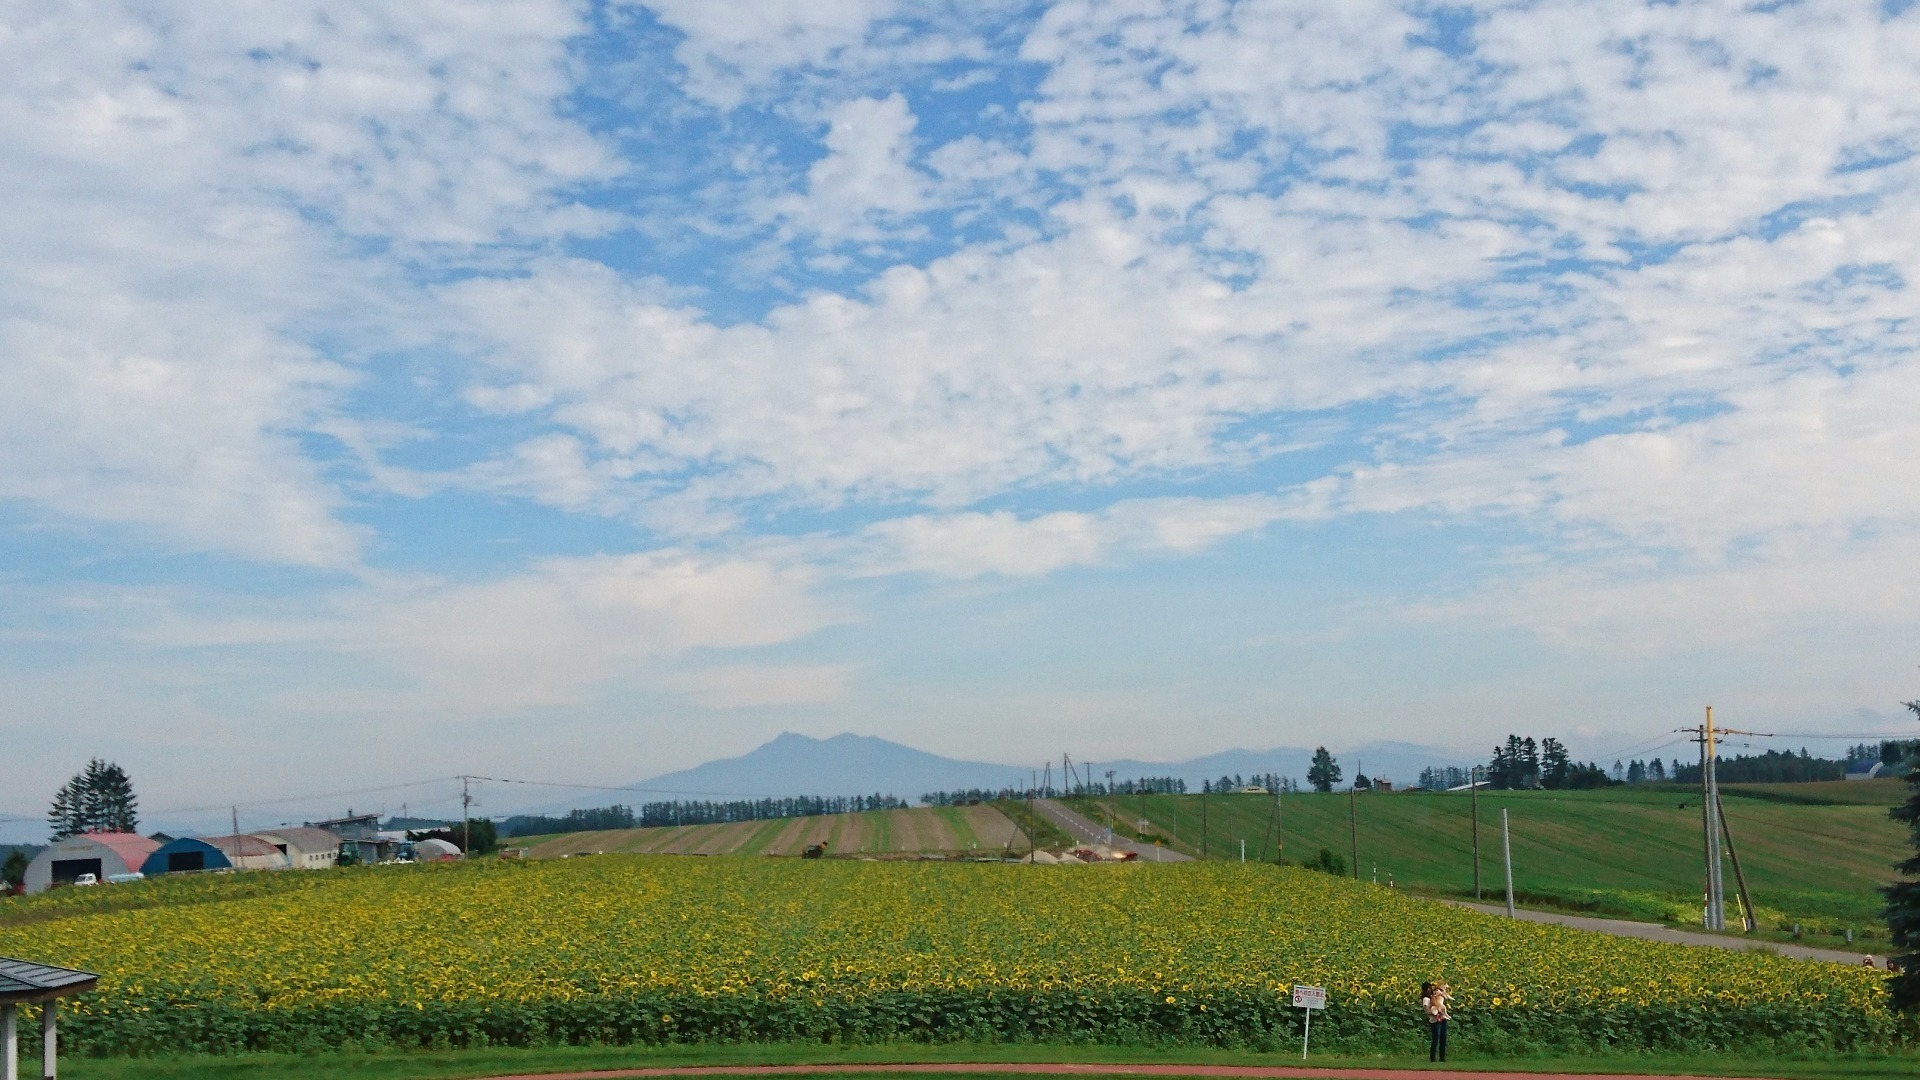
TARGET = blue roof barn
(185,855)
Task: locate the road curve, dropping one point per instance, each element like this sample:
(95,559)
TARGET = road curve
(1218,1072)
(1084,831)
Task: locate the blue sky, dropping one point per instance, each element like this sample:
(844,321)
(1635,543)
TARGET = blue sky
(586,390)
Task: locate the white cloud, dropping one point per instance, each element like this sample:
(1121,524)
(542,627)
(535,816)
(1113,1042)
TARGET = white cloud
(568,626)
(1004,544)
(729,49)
(745,686)
(180,190)
(867,172)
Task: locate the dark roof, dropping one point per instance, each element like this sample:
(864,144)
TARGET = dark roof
(23,980)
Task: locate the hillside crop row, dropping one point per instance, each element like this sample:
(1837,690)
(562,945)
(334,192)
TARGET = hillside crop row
(649,949)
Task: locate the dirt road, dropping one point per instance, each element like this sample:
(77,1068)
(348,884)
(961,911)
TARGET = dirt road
(1084,831)
(1656,932)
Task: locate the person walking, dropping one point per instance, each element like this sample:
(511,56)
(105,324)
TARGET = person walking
(1433,1001)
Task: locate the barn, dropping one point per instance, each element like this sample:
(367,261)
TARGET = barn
(250,852)
(100,854)
(305,847)
(185,855)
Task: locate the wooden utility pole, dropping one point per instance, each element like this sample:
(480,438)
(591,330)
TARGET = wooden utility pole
(466,820)
(1473,790)
(1353,828)
(1710,792)
(1712,820)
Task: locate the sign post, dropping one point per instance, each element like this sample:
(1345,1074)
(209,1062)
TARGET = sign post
(1308,998)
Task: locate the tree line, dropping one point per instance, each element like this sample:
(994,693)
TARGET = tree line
(1146,785)
(1229,784)
(99,798)
(698,812)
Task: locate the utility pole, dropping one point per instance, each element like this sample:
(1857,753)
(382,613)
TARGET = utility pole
(1473,790)
(1716,888)
(1506,851)
(1711,818)
(466,820)
(1279,827)
(1353,828)
(1032,778)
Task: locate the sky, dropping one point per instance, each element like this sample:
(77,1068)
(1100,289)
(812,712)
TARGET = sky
(580,391)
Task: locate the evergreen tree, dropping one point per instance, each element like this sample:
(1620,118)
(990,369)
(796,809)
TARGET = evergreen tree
(64,819)
(1903,898)
(99,798)
(1553,764)
(1324,772)
(14,871)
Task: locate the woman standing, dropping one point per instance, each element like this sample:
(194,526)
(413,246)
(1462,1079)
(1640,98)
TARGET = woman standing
(1433,999)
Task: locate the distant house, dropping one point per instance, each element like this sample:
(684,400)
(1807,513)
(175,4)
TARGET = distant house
(250,852)
(1866,770)
(305,847)
(352,827)
(103,855)
(184,856)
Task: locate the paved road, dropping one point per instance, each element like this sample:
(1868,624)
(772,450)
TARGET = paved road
(1084,831)
(1656,932)
(1218,1072)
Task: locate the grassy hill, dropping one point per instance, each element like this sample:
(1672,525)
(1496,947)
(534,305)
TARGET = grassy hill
(941,830)
(1815,854)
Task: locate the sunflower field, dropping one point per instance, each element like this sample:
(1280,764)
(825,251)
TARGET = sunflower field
(626,949)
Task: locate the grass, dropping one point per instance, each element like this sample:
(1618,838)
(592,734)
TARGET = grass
(459,1064)
(1814,854)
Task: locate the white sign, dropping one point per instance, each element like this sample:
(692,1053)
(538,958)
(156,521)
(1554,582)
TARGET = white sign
(1309,997)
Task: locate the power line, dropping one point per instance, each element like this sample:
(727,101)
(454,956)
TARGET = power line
(302,798)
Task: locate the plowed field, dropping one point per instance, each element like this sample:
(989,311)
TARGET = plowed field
(943,830)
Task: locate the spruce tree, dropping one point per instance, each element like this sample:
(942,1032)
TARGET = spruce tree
(1324,772)
(64,819)
(1903,898)
(99,798)
(118,810)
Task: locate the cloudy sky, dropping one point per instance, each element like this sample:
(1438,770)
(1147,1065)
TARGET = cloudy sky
(584,390)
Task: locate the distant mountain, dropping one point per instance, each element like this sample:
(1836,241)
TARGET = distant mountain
(864,765)
(843,765)
(1397,761)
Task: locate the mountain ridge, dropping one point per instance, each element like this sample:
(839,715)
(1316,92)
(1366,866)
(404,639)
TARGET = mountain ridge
(848,764)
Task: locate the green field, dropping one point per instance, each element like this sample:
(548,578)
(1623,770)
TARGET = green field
(1815,854)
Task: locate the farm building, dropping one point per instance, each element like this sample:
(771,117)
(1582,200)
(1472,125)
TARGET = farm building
(434,849)
(305,847)
(101,854)
(1866,770)
(352,827)
(184,855)
(249,852)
